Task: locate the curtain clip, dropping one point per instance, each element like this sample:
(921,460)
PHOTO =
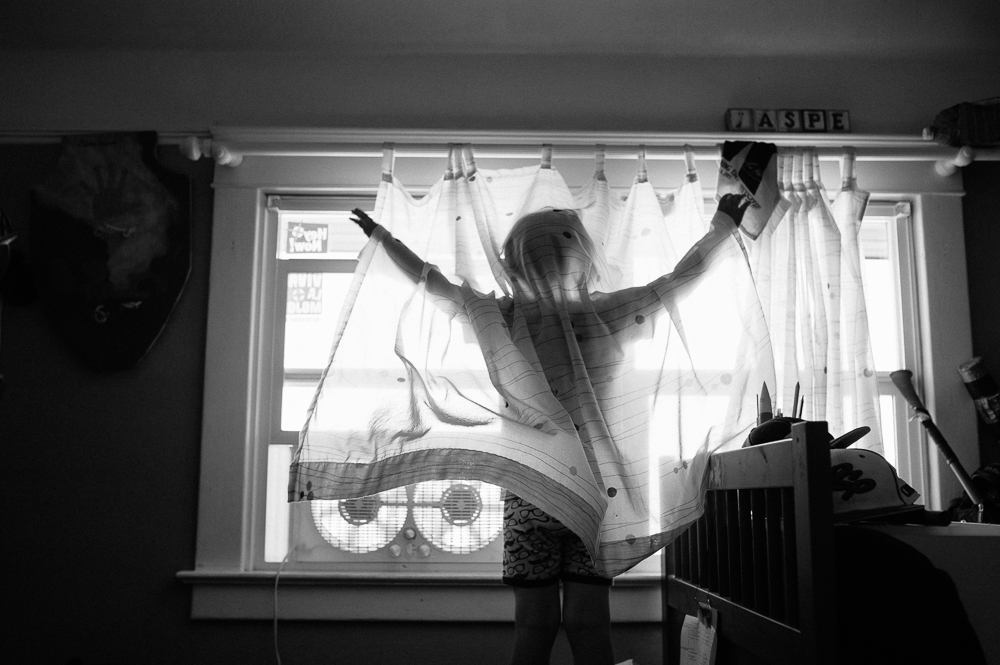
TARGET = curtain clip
(798,156)
(469,159)
(641,175)
(449,172)
(599,155)
(847,167)
(809,163)
(388,161)
(546,155)
(692,169)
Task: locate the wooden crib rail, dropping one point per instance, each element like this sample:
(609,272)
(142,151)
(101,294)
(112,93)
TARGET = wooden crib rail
(762,553)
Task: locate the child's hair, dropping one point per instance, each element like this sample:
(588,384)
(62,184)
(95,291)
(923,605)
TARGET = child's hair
(568,217)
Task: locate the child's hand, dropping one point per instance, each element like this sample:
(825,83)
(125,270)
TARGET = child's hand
(734,205)
(366,223)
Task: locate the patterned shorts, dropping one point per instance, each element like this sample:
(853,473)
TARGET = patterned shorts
(539,550)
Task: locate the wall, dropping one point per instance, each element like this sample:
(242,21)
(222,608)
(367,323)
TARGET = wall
(189,91)
(101,488)
(981,211)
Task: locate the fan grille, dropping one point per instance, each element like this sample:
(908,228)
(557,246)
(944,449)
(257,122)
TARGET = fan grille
(459,517)
(361,525)
(359,511)
(461,505)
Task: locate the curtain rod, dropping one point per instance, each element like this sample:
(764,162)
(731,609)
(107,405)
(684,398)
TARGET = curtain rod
(304,141)
(231,155)
(14,137)
(228,145)
(277,135)
(510,151)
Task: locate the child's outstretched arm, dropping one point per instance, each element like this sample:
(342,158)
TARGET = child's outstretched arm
(412,264)
(623,305)
(731,205)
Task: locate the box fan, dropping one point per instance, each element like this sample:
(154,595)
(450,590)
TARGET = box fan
(442,526)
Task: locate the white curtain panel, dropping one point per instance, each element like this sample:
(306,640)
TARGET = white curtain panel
(599,404)
(807,267)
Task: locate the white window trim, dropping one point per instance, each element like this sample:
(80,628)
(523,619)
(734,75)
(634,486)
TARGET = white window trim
(911,461)
(229,583)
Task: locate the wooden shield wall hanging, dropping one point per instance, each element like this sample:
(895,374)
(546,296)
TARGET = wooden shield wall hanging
(111,246)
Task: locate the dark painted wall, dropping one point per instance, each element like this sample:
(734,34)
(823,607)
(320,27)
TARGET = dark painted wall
(981,211)
(100,497)
(184,91)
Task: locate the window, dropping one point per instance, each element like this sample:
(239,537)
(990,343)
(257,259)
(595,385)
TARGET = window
(315,250)
(316,246)
(449,526)
(282,255)
(438,526)
(886,241)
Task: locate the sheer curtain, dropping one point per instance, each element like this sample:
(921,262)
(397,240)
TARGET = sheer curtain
(807,267)
(666,365)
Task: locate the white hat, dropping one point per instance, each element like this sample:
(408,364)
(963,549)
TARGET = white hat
(865,485)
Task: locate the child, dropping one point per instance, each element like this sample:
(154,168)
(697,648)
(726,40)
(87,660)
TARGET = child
(576,337)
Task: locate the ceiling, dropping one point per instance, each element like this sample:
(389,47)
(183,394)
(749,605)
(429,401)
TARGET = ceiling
(725,28)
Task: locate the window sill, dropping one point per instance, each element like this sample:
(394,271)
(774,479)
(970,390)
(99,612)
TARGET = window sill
(232,594)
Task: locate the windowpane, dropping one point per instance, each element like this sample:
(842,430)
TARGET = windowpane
(888,285)
(276,517)
(329,234)
(312,308)
(295,399)
(881,298)
(887,405)
(425,523)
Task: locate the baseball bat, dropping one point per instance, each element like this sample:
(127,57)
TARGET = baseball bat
(903,380)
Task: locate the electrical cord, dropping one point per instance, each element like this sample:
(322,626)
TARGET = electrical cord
(277,576)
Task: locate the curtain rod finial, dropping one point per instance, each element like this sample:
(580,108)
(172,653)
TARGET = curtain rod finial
(947,167)
(195,148)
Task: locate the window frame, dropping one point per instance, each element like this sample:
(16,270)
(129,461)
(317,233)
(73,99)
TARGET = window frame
(911,459)
(274,313)
(230,582)
(284,267)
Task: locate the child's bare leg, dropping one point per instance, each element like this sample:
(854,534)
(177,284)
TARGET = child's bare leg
(536,623)
(587,620)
